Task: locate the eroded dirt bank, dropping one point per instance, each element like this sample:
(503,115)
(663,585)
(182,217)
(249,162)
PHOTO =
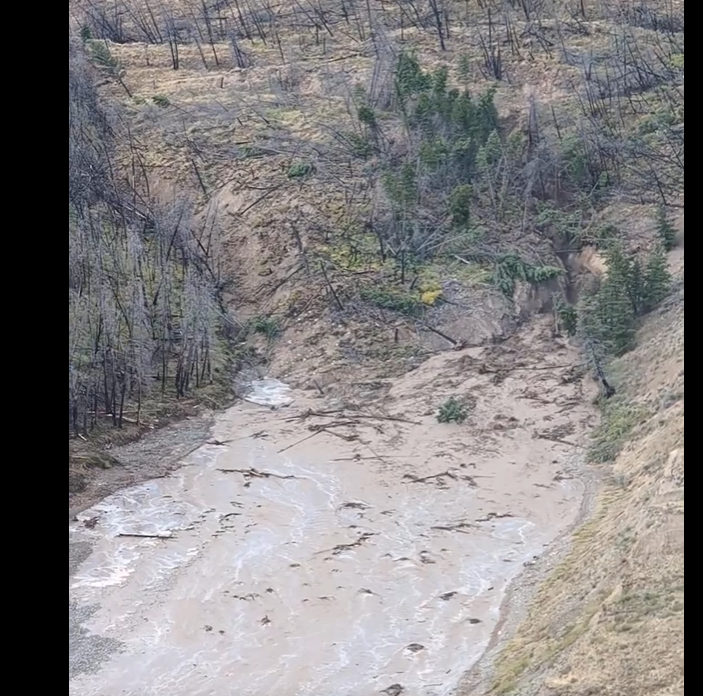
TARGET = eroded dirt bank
(610,619)
(334,548)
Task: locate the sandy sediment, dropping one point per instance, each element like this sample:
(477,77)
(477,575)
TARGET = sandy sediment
(310,550)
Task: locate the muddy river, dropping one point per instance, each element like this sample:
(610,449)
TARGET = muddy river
(311,556)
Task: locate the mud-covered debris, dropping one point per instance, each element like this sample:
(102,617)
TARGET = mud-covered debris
(495,516)
(548,435)
(252,473)
(505,423)
(341,548)
(394,690)
(228,515)
(92,522)
(447,596)
(354,506)
(425,558)
(415,647)
(439,479)
(462,527)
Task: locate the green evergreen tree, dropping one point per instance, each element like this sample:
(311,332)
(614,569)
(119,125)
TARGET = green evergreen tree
(460,206)
(590,327)
(409,77)
(490,154)
(402,189)
(657,279)
(423,114)
(568,317)
(440,79)
(619,264)
(610,318)
(464,114)
(367,116)
(617,318)
(636,287)
(488,113)
(665,230)
(464,68)
(433,154)
(103,58)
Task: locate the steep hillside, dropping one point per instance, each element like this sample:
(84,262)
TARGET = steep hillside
(425,173)
(610,618)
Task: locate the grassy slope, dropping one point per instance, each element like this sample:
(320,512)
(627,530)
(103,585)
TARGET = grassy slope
(610,619)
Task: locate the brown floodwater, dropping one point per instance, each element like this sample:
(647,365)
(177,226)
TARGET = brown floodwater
(264,567)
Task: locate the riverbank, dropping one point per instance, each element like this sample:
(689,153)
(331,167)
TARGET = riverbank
(610,617)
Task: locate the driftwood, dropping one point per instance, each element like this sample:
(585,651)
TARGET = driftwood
(485,368)
(437,477)
(462,527)
(354,506)
(326,428)
(547,436)
(299,442)
(359,458)
(255,473)
(167,535)
(441,334)
(341,548)
(341,412)
(495,516)
(336,424)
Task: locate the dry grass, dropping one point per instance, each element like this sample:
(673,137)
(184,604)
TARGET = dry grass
(610,619)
